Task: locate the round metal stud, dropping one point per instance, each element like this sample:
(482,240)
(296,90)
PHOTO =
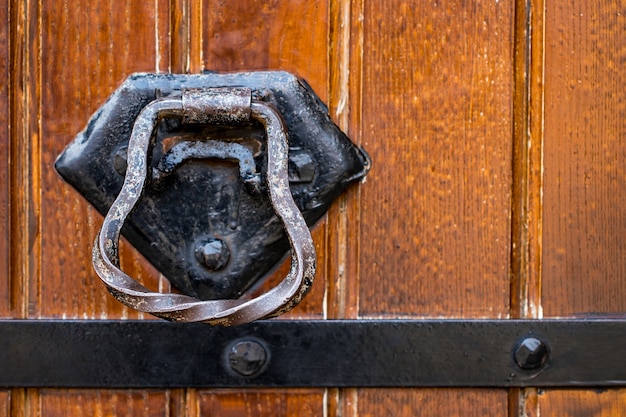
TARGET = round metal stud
(247,358)
(531,353)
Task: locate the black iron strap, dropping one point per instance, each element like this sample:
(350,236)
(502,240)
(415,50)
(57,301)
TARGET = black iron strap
(372,353)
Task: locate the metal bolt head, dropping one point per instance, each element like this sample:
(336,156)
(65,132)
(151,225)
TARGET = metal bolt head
(301,168)
(531,353)
(213,254)
(247,357)
(120,160)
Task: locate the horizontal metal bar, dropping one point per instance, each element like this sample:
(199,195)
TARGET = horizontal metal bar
(367,353)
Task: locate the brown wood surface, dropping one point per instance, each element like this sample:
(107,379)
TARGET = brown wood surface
(5,403)
(584,251)
(260,403)
(21,106)
(432,403)
(287,35)
(526,202)
(66,58)
(496,132)
(436,105)
(101,403)
(585,176)
(88,50)
(437,121)
(5,299)
(583,403)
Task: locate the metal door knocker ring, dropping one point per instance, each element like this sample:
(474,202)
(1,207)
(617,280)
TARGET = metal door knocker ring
(208,106)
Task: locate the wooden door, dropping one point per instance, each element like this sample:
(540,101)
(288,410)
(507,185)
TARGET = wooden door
(497,131)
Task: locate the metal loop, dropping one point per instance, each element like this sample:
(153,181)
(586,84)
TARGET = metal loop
(178,307)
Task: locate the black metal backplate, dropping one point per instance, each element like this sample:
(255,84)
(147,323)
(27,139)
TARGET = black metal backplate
(199,195)
(431,353)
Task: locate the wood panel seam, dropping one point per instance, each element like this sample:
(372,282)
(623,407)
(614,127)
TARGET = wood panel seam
(526,204)
(527,161)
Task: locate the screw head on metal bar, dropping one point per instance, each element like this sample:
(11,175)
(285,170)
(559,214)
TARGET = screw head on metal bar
(531,353)
(247,357)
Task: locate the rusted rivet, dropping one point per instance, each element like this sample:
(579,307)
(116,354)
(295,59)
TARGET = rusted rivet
(247,357)
(120,160)
(213,254)
(531,353)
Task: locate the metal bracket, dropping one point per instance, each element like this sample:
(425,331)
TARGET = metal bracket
(368,353)
(205,219)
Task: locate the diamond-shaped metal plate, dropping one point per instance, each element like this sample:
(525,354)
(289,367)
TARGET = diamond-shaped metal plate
(196,197)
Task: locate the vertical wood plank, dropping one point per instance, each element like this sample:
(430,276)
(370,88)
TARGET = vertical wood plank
(187,35)
(5,81)
(179,36)
(527,210)
(585,176)
(5,403)
(436,117)
(342,226)
(437,120)
(162,29)
(70,56)
(588,403)
(262,403)
(584,268)
(527,181)
(23,127)
(19,401)
(250,35)
(432,402)
(345,69)
(92,48)
(196,36)
(117,403)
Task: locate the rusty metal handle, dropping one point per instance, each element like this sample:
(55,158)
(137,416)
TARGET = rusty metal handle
(218,106)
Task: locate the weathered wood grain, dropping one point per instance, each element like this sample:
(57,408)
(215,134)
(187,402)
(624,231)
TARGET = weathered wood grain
(526,201)
(261,403)
(88,50)
(579,403)
(5,299)
(431,402)
(101,403)
(285,35)
(437,121)
(342,227)
(434,214)
(527,210)
(584,225)
(584,267)
(345,72)
(23,110)
(65,59)
(5,403)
